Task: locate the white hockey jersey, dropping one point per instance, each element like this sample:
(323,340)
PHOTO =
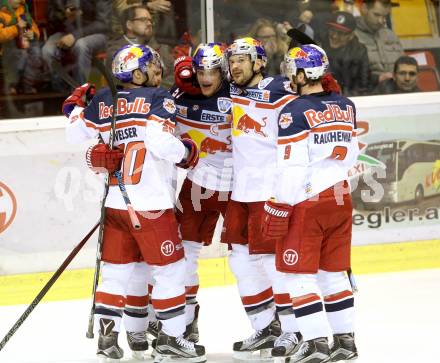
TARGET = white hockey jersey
(317,145)
(207,121)
(144,127)
(254,136)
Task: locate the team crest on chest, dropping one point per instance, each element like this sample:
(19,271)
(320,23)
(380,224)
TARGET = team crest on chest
(224,104)
(285,120)
(169,105)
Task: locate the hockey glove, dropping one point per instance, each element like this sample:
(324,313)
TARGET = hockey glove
(276,219)
(185,77)
(102,160)
(81,96)
(192,156)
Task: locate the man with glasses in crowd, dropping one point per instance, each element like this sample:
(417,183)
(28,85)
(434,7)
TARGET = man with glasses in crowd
(404,78)
(137,24)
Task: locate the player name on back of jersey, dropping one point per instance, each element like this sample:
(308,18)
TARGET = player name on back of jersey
(332,113)
(124,107)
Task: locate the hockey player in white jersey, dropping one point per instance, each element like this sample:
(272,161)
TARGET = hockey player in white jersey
(256,101)
(311,212)
(204,115)
(146,153)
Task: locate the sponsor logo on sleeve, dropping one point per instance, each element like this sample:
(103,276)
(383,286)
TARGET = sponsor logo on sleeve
(169,105)
(285,120)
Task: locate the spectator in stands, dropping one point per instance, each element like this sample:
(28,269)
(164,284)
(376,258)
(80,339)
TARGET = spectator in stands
(264,30)
(348,57)
(382,44)
(82,28)
(137,25)
(19,47)
(153,6)
(404,78)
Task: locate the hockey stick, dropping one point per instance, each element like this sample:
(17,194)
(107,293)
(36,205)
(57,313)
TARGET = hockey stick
(131,212)
(46,287)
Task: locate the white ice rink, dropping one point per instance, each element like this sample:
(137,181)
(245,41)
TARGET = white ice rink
(398,321)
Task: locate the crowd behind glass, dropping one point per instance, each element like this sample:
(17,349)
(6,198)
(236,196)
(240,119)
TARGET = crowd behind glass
(365,54)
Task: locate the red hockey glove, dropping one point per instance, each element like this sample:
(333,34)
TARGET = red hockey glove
(81,96)
(102,160)
(192,159)
(276,219)
(330,84)
(185,77)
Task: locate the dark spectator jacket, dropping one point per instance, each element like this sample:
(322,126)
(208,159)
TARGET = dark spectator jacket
(95,18)
(350,66)
(383,48)
(389,86)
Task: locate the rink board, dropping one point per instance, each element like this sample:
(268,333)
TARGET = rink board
(77,284)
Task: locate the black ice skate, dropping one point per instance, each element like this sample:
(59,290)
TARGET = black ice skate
(138,343)
(275,326)
(256,348)
(286,344)
(108,348)
(153,330)
(192,330)
(311,351)
(172,349)
(343,348)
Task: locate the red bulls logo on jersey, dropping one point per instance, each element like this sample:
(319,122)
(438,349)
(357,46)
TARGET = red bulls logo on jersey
(247,123)
(124,107)
(211,146)
(331,113)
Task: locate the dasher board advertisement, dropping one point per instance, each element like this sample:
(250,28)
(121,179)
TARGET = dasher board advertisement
(396,183)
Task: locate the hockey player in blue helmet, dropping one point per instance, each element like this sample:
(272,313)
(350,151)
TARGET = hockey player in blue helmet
(146,154)
(317,146)
(256,101)
(246,61)
(204,113)
(138,66)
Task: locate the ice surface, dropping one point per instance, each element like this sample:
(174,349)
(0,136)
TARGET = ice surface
(397,319)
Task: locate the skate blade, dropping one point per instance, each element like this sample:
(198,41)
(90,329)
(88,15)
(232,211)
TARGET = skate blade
(139,355)
(315,357)
(162,358)
(261,356)
(104,359)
